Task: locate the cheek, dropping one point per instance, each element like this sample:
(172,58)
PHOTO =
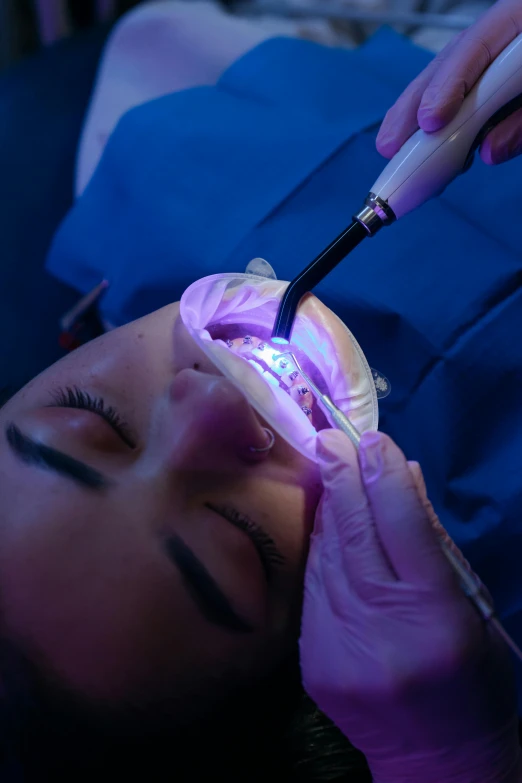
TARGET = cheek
(97,603)
(288,512)
(61,580)
(69,590)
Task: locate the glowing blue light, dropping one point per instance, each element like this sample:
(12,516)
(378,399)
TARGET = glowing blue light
(280,340)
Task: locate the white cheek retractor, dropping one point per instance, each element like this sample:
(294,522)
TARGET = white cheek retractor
(244,307)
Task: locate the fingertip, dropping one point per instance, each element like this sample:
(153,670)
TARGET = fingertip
(369,438)
(499,147)
(428,121)
(379,455)
(432,117)
(486,153)
(371,456)
(333,447)
(418,479)
(387,145)
(372,438)
(391,135)
(437,108)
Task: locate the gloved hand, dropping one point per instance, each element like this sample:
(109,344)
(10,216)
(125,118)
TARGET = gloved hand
(391,649)
(436,95)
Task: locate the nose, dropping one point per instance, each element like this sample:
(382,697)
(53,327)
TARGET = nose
(210,424)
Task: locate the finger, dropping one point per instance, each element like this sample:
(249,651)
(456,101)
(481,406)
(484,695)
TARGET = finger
(476,49)
(439,529)
(401,120)
(442,533)
(456,76)
(347,516)
(402,523)
(504,142)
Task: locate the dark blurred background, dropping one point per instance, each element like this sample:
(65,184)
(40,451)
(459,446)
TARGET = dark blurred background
(26,24)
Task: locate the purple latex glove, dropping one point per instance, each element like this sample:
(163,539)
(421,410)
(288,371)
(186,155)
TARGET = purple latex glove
(436,95)
(391,650)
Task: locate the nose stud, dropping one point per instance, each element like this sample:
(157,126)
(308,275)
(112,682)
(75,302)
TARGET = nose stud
(307,411)
(271,440)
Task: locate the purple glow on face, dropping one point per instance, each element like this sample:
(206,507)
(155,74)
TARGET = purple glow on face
(275,365)
(227,308)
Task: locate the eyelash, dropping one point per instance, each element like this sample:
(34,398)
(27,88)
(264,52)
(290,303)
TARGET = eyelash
(267,548)
(73,397)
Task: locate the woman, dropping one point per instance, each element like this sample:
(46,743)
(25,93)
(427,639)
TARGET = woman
(156,583)
(151,582)
(86,648)
(240,640)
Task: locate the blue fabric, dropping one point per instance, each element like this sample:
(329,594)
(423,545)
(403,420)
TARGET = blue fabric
(272,162)
(42,105)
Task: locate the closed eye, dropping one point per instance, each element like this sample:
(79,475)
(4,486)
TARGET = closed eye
(269,555)
(73,397)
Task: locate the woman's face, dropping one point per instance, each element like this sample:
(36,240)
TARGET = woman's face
(143,545)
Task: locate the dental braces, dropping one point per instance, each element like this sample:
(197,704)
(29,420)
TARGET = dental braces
(280,370)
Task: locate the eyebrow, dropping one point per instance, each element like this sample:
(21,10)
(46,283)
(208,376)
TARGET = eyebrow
(32,452)
(210,599)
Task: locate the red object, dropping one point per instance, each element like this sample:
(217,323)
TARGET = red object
(68,341)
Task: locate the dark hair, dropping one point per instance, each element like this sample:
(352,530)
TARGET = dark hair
(271,730)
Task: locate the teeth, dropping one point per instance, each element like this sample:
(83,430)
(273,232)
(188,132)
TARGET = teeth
(270,378)
(281,366)
(282,372)
(256,365)
(258,352)
(287,380)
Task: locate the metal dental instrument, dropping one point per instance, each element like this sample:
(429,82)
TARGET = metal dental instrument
(473,591)
(422,168)
(469,584)
(334,414)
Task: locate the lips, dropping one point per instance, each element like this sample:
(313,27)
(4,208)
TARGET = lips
(233,307)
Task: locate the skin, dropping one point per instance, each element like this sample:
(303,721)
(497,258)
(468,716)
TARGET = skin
(94,582)
(433,99)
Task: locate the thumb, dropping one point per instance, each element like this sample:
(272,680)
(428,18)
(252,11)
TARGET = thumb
(504,142)
(440,530)
(350,540)
(338,464)
(420,485)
